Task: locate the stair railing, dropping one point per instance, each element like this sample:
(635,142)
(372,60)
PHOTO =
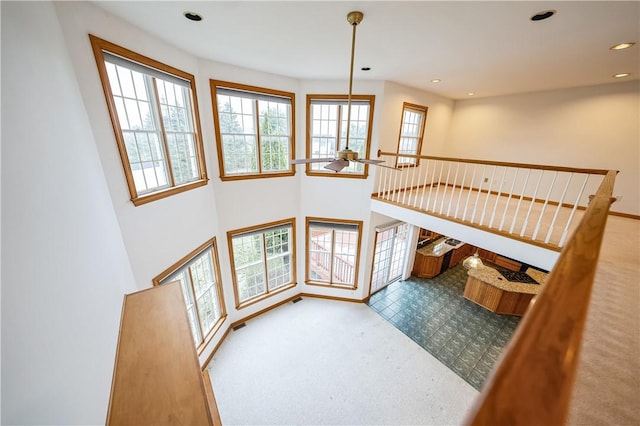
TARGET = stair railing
(534,203)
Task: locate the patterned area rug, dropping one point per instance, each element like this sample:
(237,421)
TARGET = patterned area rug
(432,312)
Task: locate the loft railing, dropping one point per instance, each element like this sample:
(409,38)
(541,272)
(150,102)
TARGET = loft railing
(533,203)
(533,380)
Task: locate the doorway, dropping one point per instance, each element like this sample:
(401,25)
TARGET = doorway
(389,256)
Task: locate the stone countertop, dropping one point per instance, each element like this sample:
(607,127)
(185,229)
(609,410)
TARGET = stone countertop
(438,248)
(491,276)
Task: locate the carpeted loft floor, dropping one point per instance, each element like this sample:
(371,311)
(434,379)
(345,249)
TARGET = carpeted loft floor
(320,362)
(433,313)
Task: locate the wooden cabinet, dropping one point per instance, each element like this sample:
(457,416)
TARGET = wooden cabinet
(495,299)
(487,255)
(427,266)
(510,264)
(460,254)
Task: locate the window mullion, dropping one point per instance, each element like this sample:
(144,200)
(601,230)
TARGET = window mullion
(333,247)
(264,259)
(195,303)
(258,136)
(339,128)
(165,143)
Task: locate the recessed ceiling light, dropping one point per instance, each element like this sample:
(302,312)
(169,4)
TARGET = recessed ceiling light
(622,74)
(436,80)
(192,16)
(543,15)
(470,94)
(366,68)
(622,46)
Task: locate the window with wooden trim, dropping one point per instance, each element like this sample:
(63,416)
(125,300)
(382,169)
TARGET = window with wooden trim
(254,130)
(327,132)
(333,252)
(154,113)
(414,118)
(199,276)
(262,260)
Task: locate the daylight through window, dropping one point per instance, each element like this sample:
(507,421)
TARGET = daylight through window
(254,129)
(327,131)
(198,273)
(333,251)
(155,120)
(411,133)
(263,259)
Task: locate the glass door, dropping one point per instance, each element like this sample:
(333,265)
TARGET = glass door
(389,256)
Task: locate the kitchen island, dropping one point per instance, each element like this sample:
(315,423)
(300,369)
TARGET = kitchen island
(487,287)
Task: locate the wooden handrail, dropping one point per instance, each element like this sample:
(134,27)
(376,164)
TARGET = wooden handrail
(500,163)
(533,381)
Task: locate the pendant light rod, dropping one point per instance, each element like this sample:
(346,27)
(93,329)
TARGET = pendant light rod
(354,18)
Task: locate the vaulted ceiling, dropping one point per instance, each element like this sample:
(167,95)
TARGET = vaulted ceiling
(488,48)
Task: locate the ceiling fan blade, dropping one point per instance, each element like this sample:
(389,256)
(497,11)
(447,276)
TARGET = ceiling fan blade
(337,165)
(376,163)
(312,160)
(365,161)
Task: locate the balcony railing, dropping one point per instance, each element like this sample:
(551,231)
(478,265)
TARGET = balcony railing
(542,357)
(523,201)
(537,204)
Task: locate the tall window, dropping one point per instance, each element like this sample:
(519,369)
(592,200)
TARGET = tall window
(389,256)
(263,260)
(414,118)
(198,273)
(333,251)
(327,131)
(254,129)
(154,115)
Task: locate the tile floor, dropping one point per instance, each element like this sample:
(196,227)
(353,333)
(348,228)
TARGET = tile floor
(432,312)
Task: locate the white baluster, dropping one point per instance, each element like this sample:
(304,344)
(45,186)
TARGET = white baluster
(446,187)
(418,187)
(424,185)
(435,199)
(486,201)
(453,189)
(475,207)
(506,207)
(546,201)
(464,176)
(573,211)
(524,187)
(533,200)
(495,206)
(466,204)
(433,175)
(555,215)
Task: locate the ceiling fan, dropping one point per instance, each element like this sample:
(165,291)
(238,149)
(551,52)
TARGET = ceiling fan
(342,157)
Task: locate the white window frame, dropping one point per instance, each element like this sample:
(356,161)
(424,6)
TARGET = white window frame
(253,98)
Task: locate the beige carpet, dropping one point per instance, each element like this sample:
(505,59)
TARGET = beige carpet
(607,389)
(327,362)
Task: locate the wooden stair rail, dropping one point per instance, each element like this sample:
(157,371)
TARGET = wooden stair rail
(499,163)
(532,382)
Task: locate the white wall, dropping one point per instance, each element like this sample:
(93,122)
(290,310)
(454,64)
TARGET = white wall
(437,124)
(65,267)
(156,234)
(591,127)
